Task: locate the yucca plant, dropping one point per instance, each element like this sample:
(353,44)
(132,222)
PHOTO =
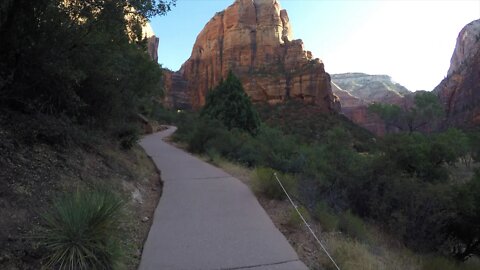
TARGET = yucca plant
(81,231)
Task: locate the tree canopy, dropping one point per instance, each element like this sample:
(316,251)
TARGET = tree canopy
(426,111)
(229,104)
(82,58)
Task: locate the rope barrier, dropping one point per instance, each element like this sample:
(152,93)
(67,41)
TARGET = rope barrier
(304,221)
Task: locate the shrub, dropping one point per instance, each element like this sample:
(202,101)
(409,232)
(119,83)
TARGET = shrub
(249,153)
(352,255)
(204,132)
(353,226)
(322,214)
(129,136)
(213,156)
(436,262)
(81,231)
(294,220)
(264,182)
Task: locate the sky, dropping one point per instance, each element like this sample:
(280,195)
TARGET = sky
(410,40)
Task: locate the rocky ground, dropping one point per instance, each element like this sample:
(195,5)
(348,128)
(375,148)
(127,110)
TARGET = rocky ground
(40,160)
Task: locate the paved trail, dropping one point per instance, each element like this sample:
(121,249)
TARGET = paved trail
(208,220)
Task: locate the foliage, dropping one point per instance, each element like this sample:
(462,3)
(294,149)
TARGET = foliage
(390,114)
(264,182)
(310,124)
(435,263)
(425,112)
(81,231)
(324,215)
(353,255)
(128,136)
(466,226)
(294,220)
(353,226)
(229,103)
(401,182)
(77,58)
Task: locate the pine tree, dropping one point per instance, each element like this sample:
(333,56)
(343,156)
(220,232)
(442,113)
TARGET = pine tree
(229,104)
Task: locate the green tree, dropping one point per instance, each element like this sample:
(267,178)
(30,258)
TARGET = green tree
(457,146)
(77,58)
(465,227)
(389,113)
(425,112)
(229,104)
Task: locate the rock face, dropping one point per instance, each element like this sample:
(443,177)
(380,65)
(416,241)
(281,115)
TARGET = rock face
(152,41)
(253,38)
(152,47)
(371,88)
(357,90)
(460,90)
(356,110)
(466,47)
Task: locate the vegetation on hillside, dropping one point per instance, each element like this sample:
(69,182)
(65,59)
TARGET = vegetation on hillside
(73,76)
(425,113)
(405,183)
(85,60)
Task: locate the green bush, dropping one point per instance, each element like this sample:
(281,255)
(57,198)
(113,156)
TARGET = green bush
(163,115)
(203,133)
(437,263)
(128,136)
(294,220)
(322,214)
(249,153)
(81,231)
(264,182)
(213,156)
(353,226)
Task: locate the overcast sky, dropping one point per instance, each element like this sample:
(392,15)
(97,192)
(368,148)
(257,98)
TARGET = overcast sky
(410,40)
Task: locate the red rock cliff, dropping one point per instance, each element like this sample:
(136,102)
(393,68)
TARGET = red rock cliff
(253,38)
(460,90)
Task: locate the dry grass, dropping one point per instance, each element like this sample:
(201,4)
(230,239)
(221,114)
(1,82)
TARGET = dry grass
(354,255)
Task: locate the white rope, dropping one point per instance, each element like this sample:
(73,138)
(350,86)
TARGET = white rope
(304,221)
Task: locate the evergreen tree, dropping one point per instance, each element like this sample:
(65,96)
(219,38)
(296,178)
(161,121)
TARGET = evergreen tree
(229,104)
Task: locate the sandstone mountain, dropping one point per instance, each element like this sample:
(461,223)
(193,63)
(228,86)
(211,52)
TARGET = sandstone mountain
(460,90)
(371,88)
(466,46)
(152,41)
(254,39)
(357,90)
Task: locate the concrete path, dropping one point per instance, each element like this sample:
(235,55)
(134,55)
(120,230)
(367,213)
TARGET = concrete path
(208,220)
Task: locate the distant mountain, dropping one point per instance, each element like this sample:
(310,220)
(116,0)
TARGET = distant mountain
(460,90)
(357,90)
(371,88)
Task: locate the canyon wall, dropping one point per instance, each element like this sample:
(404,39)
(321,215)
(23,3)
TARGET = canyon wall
(254,39)
(460,90)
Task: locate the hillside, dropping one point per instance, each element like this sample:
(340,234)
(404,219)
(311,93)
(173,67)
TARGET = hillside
(74,188)
(43,158)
